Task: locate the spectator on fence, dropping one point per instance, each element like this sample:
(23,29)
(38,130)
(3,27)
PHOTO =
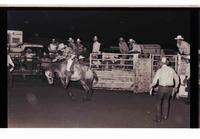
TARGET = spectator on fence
(53,48)
(72,45)
(183,48)
(123,47)
(166,78)
(10,68)
(135,49)
(184,61)
(80,49)
(96,51)
(96,45)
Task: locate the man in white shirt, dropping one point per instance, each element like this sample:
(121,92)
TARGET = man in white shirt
(165,77)
(52,48)
(135,49)
(96,45)
(96,50)
(123,47)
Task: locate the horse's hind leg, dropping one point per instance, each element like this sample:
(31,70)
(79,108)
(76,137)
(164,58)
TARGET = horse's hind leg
(90,83)
(87,90)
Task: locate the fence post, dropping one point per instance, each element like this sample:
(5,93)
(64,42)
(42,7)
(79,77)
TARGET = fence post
(90,60)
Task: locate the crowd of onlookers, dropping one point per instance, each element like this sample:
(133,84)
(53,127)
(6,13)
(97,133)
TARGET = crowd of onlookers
(57,51)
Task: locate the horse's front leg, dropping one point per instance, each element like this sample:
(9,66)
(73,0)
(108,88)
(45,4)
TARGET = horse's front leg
(65,83)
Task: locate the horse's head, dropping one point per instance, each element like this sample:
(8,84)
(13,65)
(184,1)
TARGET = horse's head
(50,76)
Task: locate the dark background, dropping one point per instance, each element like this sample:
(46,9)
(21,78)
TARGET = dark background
(146,26)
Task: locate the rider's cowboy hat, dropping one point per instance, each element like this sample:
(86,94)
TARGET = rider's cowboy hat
(179,37)
(131,41)
(61,46)
(78,40)
(95,38)
(70,39)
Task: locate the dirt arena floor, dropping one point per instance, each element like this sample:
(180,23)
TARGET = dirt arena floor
(34,103)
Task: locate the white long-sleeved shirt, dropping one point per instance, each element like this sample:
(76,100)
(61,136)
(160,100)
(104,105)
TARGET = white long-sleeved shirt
(52,47)
(184,47)
(9,61)
(166,77)
(96,47)
(123,47)
(136,48)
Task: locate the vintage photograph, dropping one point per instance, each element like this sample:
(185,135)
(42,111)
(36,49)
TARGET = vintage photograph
(98,67)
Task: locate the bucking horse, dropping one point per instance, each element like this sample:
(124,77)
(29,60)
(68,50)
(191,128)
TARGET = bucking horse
(80,72)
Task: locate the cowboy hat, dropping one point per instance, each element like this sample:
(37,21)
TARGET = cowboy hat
(95,38)
(78,40)
(131,40)
(121,39)
(61,46)
(179,37)
(70,39)
(164,60)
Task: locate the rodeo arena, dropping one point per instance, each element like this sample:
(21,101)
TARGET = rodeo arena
(65,85)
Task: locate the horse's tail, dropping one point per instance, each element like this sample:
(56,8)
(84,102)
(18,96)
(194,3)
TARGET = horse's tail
(95,76)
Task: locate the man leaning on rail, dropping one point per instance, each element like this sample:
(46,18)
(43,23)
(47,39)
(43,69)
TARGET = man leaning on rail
(165,77)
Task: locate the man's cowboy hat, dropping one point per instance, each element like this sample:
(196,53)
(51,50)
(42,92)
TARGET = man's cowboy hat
(70,39)
(45,54)
(164,60)
(95,38)
(131,41)
(121,39)
(179,37)
(78,40)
